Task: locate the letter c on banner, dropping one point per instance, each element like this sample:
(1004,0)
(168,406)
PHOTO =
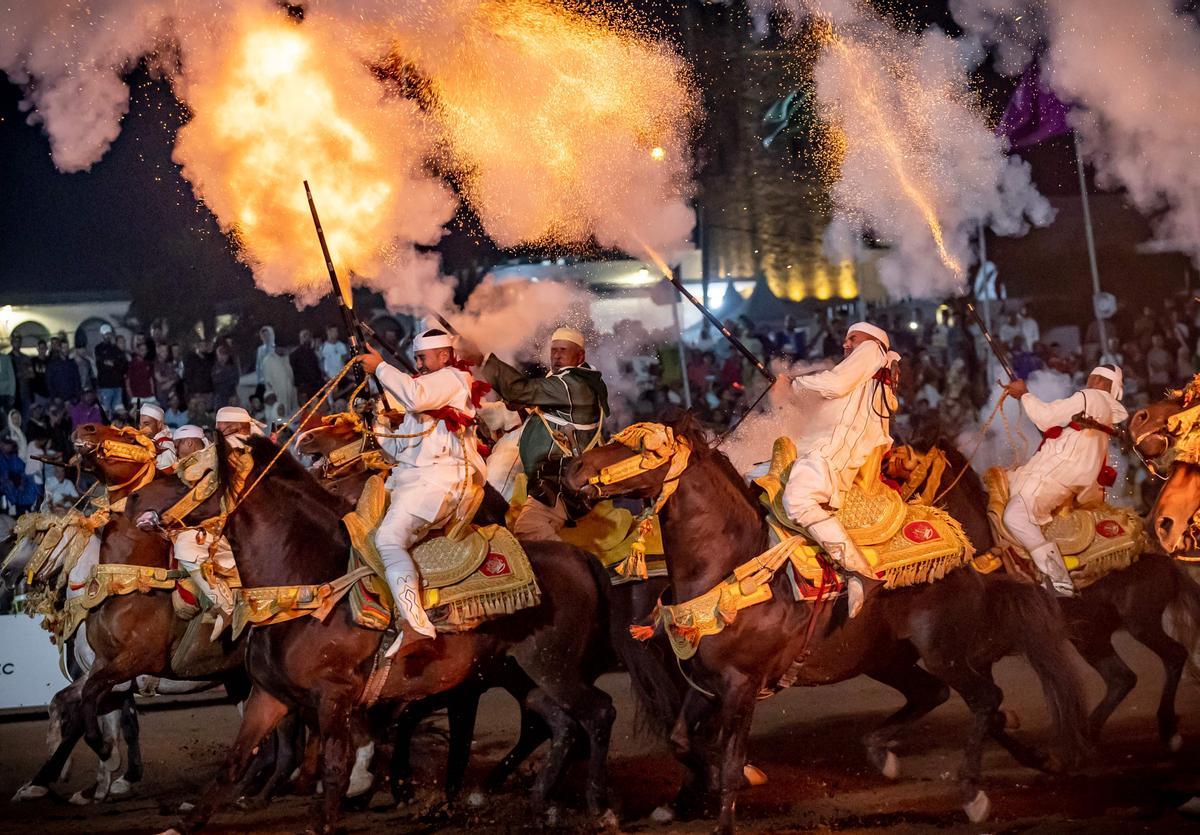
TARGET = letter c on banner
(7,669)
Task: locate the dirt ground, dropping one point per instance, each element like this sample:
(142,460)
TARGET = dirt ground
(806,741)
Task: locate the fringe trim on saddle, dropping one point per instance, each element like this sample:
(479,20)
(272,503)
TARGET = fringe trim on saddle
(463,615)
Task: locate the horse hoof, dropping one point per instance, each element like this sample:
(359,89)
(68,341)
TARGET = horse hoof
(80,799)
(476,800)
(891,766)
(608,821)
(1012,719)
(29,791)
(186,807)
(979,809)
(1191,808)
(663,814)
(1175,744)
(754,775)
(171,831)
(120,787)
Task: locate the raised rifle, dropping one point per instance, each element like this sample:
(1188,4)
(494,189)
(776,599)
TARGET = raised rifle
(997,351)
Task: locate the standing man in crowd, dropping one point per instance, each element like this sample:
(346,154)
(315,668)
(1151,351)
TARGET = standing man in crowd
(306,368)
(110,371)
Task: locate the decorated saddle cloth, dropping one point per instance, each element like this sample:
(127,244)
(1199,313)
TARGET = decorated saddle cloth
(907,544)
(1093,541)
(609,532)
(483,573)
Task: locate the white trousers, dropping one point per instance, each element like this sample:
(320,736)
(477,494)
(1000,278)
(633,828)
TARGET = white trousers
(190,552)
(401,529)
(809,490)
(1018,519)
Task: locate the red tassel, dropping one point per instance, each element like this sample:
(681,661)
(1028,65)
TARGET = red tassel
(641,633)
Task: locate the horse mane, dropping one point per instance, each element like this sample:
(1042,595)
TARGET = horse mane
(706,448)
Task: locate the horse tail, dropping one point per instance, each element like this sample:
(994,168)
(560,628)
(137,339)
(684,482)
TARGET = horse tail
(1183,622)
(658,692)
(1034,623)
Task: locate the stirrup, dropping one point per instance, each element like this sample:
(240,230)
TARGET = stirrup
(408,640)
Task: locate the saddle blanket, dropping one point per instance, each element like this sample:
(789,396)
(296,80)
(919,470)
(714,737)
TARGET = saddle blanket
(1094,541)
(485,573)
(907,544)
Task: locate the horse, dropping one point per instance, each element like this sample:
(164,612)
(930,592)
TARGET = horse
(712,523)
(1134,598)
(129,636)
(1178,501)
(320,668)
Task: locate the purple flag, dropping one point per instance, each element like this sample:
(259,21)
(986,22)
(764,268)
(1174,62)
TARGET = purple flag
(1033,114)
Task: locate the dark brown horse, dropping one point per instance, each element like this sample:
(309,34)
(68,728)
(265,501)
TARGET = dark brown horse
(1133,599)
(1178,501)
(131,635)
(958,626)
(319,669)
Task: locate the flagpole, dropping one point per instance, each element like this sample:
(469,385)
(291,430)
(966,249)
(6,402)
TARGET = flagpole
(1091,244)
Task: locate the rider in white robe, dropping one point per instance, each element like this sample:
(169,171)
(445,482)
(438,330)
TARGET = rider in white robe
(436,463)
(861,384)
(151,423)
(1066,466)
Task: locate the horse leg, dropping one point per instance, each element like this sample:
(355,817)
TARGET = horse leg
(983,698)
(110,728)
(306,780)
(534,731)
(1174,657)
(562,729)
(1119,679)
(400,780)
(737,710)
(66,729)
(461,713)
(131,730)
(922,692)
(333,721)
(260,714)
(689,801)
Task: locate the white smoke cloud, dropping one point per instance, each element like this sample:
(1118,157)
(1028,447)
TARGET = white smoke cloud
(1132,70)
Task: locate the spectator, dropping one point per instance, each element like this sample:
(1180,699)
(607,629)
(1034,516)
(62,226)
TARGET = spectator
(1010,329)
(790,341)
(1144,327)
(198,410)
(177,358)
(279,381)
(1030,331)
(8,383)
(87,410)
(111,365)
(24,371)
(60,492)
(306,368)
(166,377)
(87,371)
(334,353)
(198,377)
(37,425)
(37,377)
(62,375)
(60,431)
(175,415)
(139,377)
(18,490)
(225,378)
(1159,363)
(266,347)
(1024,362)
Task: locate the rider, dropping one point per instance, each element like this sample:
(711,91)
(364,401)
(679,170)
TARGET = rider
(863,384)
(191,546)
(236,425)
(1072,462)
(437,462)
(151,423)
(567,407)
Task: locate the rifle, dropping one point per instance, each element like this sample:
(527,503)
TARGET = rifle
(356,331)
(996,350)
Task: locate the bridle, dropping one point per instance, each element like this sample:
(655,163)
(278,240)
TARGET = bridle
(657,447)
(136,448)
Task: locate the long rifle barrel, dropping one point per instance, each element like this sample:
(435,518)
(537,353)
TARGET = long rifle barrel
(997,351)
(340,292)
(762,369)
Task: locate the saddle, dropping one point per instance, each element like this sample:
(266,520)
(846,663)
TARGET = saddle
(1094,541)
(476,573)
(907,543)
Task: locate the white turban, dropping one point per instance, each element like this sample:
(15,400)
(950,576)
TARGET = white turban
(432,339)
(233,414)
(152,410)
(1113,374)
(569,334)
(187,431)
(872,331)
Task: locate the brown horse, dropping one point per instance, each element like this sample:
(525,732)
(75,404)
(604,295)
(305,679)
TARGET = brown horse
(131,635)
(320,669)
(959,626)
(1178,501)
(1133,599)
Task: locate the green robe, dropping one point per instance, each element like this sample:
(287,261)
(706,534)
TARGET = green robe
(570,399)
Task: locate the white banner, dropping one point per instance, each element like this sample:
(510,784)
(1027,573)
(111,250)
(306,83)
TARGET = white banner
(29,671)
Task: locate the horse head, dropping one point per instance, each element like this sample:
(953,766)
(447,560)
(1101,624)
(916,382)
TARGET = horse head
(1166,436)
(122,458)
(634,464)
(319,436)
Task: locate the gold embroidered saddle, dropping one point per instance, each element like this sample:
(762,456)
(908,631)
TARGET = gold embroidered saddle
(1093,540)
(907,544)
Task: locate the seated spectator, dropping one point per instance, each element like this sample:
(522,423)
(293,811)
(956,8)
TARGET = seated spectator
(87,410)
(19,492)
(60,492)
(175,415)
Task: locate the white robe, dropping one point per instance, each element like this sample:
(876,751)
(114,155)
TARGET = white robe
(1069,465)
(166,450)
(433,465)
(857,425)
(279,380)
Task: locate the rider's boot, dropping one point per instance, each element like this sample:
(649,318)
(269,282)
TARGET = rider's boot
(860,577)
(218,594)
(406,595)
(1049,561)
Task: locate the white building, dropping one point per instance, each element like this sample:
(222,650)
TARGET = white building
(78,315)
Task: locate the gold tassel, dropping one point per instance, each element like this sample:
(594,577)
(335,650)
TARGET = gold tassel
(635,564)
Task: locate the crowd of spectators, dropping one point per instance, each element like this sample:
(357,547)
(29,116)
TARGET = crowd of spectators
(50,387)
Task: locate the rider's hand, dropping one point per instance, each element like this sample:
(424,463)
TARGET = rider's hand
(370,360)
(1015,388)
(148,521)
